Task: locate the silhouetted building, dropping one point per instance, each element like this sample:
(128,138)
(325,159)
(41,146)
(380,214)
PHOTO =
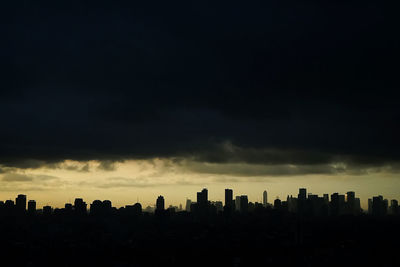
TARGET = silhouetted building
(96,207)
(277,203)
(326,198)
(302,194)
(394,207)
(218,205)
(237,203)
(20,203)
(31,206)
(68,207)
(292,204)
(357,206)
(80,206)
(188,204)
(47,210)
(335,204)
(244,203)
(302,202)
(351,203)
(229,198)
(160,204)
(107,205)
(265,198)
(378,206)
(202,197)
(134,210)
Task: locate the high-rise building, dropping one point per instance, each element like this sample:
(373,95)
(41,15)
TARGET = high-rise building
(107,205)
(80,206)
(265,198)
(20,203)
(31,206)
(244,203)
(357,207)
(277,203)
(394,207)
(237,203)
(228,198)
(302,194)
(335,204)
(160,203)
(96,207)
(202,197)
(351,202)
(188,204)
(378,206)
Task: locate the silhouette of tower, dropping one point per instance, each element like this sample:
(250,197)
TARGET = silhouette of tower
(277,203)
(351,202)
(31,206)
(80,206)
(202,197)
(378,206)
(244,203)
(20,203)
(188,204)
(160,203)
(302,194)
(237,203)
(228,198)
(265,198)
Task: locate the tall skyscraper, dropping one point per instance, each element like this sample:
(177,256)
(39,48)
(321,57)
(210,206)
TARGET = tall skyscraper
(265,198)
(237,203)
(202,197)
(20,202)
(80,206)
(351,202)
(378,206)
(228,198)
(302,194)
(32,206)
(244,203)
(188,204)
(160,203)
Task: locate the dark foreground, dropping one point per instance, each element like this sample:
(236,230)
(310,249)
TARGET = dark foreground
(257,239)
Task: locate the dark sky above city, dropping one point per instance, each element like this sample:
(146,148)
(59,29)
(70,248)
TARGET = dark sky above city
(306,83)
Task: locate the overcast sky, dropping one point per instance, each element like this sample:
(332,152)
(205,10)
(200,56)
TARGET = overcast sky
(245,94)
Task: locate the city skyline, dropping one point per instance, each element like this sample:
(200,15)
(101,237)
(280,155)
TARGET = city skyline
(202,198)
(130,100)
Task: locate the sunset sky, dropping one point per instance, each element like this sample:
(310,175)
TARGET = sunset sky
(128,100)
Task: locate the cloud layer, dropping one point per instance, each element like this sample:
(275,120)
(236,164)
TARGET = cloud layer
(298,85)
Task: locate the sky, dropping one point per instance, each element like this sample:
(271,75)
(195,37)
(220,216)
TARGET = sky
(127,100)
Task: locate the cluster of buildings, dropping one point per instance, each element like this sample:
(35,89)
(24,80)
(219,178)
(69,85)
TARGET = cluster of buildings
(304,204)
(380,207)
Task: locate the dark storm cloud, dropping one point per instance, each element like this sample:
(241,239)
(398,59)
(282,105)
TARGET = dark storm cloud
(283,82)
